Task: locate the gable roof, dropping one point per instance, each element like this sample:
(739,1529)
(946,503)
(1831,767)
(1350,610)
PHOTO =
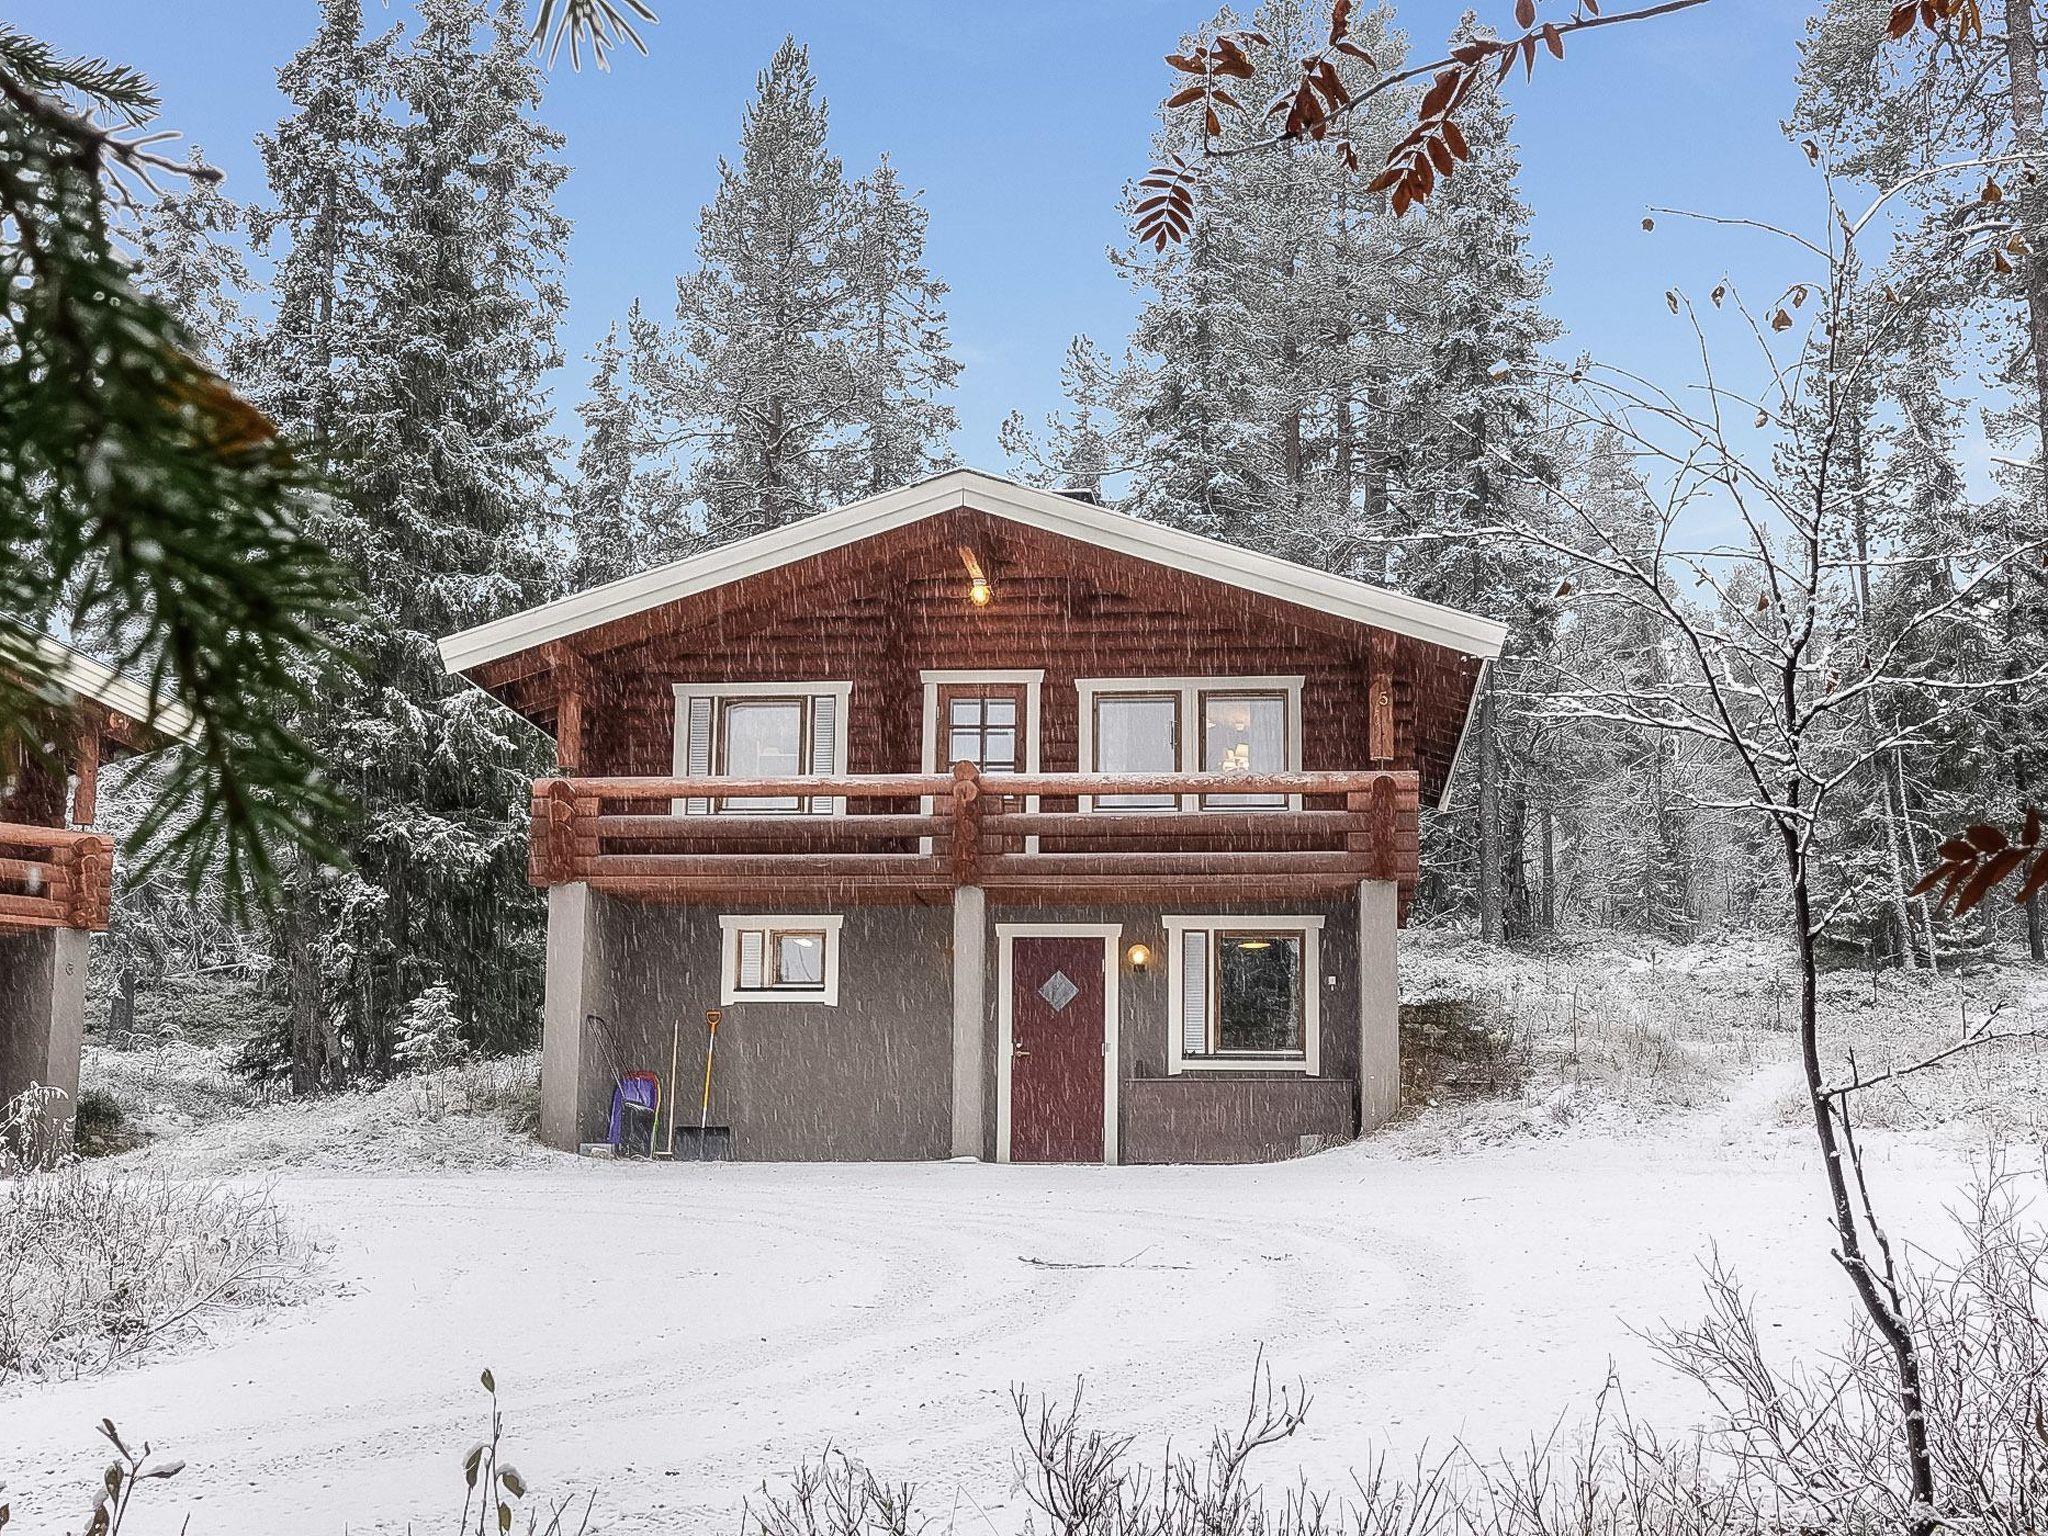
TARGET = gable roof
(79,674)
(976,490)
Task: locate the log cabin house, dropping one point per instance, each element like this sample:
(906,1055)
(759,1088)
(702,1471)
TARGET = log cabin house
(56,873)
(997,824)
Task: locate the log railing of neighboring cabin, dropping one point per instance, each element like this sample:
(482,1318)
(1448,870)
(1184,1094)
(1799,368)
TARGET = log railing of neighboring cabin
(1013,833)
(51,877)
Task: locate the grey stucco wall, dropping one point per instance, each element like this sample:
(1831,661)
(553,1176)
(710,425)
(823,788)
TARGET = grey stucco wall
(870,1078)
(42,1021)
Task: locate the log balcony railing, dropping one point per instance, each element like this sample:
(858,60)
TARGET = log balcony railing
(51,877)
(1015,835)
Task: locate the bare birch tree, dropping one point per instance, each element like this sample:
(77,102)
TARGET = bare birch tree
(1775,665)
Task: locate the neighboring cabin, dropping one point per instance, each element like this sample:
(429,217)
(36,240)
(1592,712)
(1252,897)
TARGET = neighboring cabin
(997,824)
(56,874)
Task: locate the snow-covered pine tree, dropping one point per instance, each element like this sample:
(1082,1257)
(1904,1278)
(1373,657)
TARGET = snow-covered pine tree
(755,384)
(420,298)
(1470,402)
(901,358)
(191,252)
(322,227)
(1077,448)
(609,535)
(452,452)
(1264,342)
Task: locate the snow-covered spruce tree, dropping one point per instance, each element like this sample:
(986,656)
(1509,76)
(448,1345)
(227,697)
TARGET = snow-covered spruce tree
(1470,398)
(755,384)
(191,253)
(1958,114)
(901,358)
(1077,447)
(421,297)
(609,532)
(1255,349)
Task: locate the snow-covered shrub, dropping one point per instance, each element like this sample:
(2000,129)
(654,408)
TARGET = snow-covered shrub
(96,1268)
(429,1035)
(30,1125)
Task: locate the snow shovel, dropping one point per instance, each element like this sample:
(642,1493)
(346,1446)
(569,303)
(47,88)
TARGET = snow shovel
(703,1142)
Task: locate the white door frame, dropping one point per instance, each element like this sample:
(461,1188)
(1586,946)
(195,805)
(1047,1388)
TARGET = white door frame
(1031,679)
(1006,933)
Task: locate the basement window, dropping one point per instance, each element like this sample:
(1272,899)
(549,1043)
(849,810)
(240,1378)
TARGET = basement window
(779,957)
(1243,993)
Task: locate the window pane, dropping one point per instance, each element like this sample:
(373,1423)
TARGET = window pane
(966,713)
(999,751)
(1258,993)
(763,739)
(1244,733)
(1137,734)
(1002,711)
(800,960)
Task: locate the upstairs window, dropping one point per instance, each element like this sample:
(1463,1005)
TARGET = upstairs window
(1137,733)
(1245,733)
(760,731)
(779,958)
(1189,725)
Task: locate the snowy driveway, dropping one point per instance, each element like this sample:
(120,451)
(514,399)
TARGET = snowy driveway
(671,1335)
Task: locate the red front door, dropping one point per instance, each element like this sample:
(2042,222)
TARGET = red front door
(1056,1049)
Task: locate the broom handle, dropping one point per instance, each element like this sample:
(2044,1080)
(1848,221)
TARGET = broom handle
(704,1108)
(675,1045)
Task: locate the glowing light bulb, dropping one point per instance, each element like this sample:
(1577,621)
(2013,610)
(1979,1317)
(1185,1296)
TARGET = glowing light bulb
(978,592)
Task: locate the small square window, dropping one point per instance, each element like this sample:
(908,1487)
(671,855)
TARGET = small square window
(779,958)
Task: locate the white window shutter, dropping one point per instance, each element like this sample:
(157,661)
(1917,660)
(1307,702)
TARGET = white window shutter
(753,945)
(1194,993)
(824,745)
(697,749)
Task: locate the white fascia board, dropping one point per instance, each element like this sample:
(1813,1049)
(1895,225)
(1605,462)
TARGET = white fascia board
(1443,798)
(959,489)
(95,680)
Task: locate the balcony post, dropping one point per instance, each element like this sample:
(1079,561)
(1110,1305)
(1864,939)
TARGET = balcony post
(970,966)
(1379,1003)
(970,1019)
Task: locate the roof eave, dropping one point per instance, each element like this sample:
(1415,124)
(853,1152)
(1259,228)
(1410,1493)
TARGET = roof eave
(961,489)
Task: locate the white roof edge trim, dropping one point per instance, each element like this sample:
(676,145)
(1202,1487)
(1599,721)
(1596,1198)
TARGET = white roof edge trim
(1443,796)
(96,680)
(955,489)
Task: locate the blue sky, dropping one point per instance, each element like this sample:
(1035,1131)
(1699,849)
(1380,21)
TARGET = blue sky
(1020,123)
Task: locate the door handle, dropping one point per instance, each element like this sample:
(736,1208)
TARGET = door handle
(1018,1052)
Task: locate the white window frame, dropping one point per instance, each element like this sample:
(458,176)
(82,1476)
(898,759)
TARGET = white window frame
(1190,690)
(1032,680)
(731,926)
(1310,928)
(841,693)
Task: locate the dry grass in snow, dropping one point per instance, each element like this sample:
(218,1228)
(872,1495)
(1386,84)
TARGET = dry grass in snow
(477,1115)
(1610,1031)
(97,1268)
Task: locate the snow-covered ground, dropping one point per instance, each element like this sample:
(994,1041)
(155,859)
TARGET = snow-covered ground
(671,1336)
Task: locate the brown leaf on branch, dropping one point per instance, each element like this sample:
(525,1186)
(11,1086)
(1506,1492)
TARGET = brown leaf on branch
(1971,866)
(1166,213)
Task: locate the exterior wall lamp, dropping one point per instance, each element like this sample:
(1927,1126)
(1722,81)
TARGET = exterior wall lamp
(1140,957)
